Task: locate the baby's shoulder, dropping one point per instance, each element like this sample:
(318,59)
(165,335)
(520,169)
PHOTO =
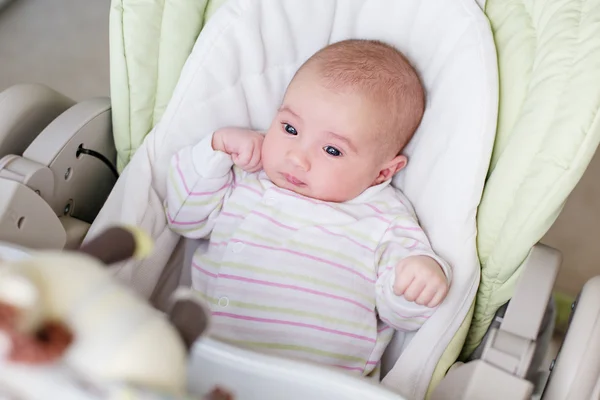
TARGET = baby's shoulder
(392,203)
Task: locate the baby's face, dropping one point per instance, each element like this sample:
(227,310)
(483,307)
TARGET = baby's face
(323,144)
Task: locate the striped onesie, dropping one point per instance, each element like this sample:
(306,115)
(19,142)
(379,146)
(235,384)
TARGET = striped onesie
(292,275)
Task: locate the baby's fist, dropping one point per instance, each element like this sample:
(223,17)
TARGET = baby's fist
(420,279)
(243,145)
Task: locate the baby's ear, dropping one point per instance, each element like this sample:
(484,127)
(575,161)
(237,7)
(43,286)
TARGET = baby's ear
(390,169)
(188,314)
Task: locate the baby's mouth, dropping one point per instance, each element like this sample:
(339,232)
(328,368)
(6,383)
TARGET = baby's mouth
(293,180)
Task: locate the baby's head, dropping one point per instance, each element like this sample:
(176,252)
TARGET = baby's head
(346,116)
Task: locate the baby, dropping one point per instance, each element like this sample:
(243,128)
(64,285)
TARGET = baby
(312,253)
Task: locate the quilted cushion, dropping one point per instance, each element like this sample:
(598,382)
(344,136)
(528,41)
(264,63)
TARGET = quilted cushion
(236,75)
(149,43)
(548,131)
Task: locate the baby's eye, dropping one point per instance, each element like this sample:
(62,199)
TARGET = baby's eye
(332,151)
(290,129)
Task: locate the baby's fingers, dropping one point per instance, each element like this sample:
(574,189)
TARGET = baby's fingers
(439,296)
(255,162)
(402,282)
(415,289)
(242,158)
(426,296)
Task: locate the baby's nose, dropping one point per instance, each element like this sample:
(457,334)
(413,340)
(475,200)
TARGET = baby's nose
(299,159)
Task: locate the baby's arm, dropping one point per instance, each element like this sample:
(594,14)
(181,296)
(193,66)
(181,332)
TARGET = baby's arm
(412,280)
(201,178)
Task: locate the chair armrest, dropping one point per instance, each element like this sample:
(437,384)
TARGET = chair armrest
(507,355)
(512,345)
(71,182)
(576,371)
(62,168)
(27,220)
(25,110)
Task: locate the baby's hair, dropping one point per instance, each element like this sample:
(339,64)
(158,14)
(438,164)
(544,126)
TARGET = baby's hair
(381,72)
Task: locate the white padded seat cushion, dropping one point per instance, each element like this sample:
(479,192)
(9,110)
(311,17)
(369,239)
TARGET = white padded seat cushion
(236,76)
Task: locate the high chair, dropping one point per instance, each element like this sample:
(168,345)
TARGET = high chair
(511,124)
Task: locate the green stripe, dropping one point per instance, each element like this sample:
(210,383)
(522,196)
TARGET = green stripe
(179,228)
(351,260)
(175,185)
(293,347)
(305,222)
(299,277)
(289,311)
(259,237)
(219,235)
(184,198)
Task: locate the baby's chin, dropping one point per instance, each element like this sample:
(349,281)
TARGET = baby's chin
(305,189)
(336,196)
(326,196)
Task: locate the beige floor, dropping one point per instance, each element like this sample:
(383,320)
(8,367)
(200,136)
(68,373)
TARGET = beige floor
(64,44)
(61,43)
(577,232)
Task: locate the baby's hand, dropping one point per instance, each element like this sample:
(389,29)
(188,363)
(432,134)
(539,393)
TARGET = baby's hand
(421,280)
(243,145)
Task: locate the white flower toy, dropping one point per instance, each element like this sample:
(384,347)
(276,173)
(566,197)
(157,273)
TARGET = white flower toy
(69,330)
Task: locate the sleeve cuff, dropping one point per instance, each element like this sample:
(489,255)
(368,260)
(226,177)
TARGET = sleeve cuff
(210,163)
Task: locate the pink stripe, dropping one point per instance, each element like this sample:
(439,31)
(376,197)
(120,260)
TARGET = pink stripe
(405,228)
(180,173)
(385,320)
(379,217)
(284,286)
(273,221)
(415,244)
(372,362)
(386,269)
(385,328)
(250,188)
(257,293)
(310,257)
(292,287)
(378,211)
(185,186)
(199,268)
(344,236)
(228,214)
(273,335)
(372,207)
(321,228)
(173,221)
(292,323)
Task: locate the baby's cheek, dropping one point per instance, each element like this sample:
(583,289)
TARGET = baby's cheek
(338,187)
(352,182)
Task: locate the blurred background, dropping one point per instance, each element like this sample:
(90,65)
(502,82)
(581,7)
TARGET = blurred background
(60,43)
(64,44)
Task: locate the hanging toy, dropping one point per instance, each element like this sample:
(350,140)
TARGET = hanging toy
(68,329)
